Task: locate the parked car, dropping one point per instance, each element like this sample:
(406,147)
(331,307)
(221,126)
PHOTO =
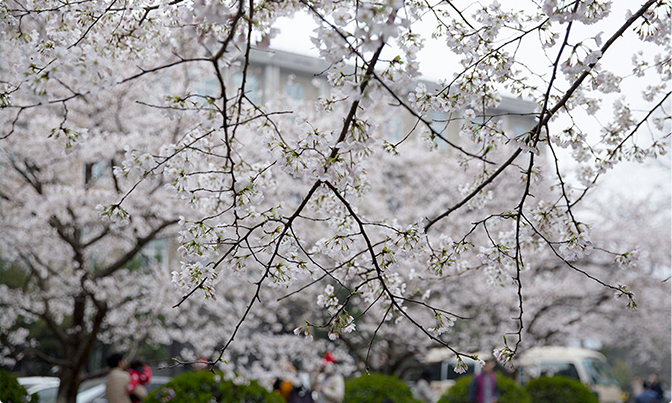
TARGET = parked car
(587,366)
(46,388)
(441,363)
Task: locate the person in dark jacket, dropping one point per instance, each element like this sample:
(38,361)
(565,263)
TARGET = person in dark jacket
(648,395)
(654,382)
(483,387)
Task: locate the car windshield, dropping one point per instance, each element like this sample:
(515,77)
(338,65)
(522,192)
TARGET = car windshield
(48,395)
(598,372)
(442,371)
(449,370)
(565,369)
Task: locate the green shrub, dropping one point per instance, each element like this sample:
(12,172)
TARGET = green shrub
(559,389)
(459,392)
(374,388)
(509,391)
(204,386)
(12,392)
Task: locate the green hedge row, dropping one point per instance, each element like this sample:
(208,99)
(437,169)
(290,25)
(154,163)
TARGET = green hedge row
(206,387)
(556,389)
(376,388)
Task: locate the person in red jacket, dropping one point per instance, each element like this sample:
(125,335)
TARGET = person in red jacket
(483,387)
(140,376)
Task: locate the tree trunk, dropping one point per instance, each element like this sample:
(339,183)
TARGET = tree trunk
(67,391)
(77,351)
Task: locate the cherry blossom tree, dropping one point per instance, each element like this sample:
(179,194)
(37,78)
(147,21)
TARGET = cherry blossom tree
(84,276)
(645,336)
(323,205)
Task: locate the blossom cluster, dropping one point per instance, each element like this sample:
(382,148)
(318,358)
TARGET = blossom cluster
(341,321)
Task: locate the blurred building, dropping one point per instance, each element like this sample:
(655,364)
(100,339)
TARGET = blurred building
(303,78)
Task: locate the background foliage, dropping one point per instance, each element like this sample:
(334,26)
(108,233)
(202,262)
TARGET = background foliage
(375,388)
(12,392)
(558,389)
(509,391)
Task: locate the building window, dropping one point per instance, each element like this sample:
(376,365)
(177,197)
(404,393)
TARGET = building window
(394,124)
(293,89)
(206,87)
(251,86)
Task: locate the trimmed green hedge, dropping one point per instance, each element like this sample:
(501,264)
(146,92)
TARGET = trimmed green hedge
(509,391)
(559,389)
(204,386)
(12,392)
(374,388)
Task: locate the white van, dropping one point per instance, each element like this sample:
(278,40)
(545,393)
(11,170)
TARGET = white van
(441,363)
(588,366)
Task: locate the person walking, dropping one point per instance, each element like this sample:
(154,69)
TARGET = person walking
(330,384)
(483,388)
(117,381)
(648,395)
(141,374)
(636,387)
(654,383)
(422,390)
